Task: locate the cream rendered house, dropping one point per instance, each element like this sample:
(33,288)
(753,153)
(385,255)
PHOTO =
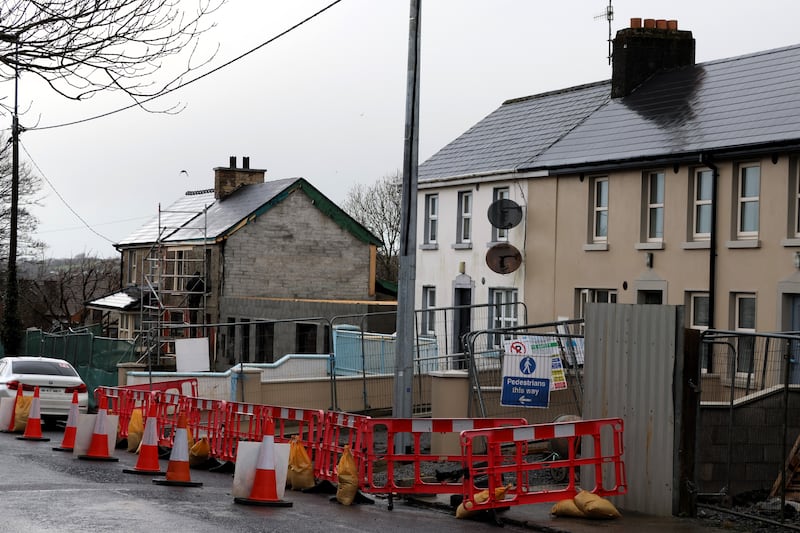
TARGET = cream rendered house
(672,183)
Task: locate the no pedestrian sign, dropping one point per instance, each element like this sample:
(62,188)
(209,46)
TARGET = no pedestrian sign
(527,371)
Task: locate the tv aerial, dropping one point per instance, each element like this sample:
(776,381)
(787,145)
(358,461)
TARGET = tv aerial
(609,16)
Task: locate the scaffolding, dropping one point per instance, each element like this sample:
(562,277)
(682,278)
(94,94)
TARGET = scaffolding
(175,286)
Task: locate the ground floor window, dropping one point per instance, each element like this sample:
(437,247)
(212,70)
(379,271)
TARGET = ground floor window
(503,312)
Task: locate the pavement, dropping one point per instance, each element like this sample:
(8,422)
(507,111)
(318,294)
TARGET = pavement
(537,517)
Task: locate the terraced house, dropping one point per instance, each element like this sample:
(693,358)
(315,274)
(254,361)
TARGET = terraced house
(675,182)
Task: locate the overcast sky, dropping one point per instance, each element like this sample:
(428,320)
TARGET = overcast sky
(327,101)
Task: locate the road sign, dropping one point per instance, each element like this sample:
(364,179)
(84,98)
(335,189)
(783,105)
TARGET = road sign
(526,375)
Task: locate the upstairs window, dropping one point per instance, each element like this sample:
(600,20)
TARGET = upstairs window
(749,185)
(600,210)
(464,235)
(701,220)
(655,207)
(499,234)
(431,218)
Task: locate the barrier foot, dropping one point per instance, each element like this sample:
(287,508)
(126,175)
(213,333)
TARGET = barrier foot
(391,501)
(323,487)
(60,449)
(225,467)
(33,438)
(144,472)
(175,483)
(98,458)
(358,499)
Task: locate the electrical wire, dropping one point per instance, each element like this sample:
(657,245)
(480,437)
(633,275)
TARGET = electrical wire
(193,80)
(86,224)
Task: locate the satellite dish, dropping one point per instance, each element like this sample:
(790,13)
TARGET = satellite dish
(503,258)
(504,213)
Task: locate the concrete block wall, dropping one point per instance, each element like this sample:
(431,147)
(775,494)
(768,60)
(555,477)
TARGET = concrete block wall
(296,251)
(753,443)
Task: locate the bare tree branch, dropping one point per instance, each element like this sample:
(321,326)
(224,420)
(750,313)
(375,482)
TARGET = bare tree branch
(81,47)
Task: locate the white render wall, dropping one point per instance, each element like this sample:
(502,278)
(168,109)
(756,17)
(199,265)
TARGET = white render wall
(440,267)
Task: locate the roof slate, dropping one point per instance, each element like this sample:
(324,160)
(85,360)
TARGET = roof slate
(733,103)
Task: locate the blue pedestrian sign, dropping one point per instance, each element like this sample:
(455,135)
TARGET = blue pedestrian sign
(526,375)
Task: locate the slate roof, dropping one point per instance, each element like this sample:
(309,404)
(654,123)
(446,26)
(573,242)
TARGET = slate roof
(184,220)
(732,104)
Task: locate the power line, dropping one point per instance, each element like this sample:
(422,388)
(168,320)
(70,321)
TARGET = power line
(39,232)
(86,224)
(198,78)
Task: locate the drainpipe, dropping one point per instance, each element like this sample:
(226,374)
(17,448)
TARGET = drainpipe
(707,160)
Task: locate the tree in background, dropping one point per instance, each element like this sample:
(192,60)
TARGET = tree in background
(83,47)
(377,207)
(54,291)
(30,185)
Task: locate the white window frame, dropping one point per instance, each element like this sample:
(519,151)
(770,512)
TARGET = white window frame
(595,296)
(706,363)
(428,317)
(747,201)
(500,193)
(431,218)
(655,205)
(599,209)
(464,217)
(738,326)
(503,312)
(700,202)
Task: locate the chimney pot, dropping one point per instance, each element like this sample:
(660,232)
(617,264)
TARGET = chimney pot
(661,24)
(672,25)
(636,23)
(232,161)
(246,162)
(649,23)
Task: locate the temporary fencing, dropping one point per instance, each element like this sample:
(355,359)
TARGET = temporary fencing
(471,455)
(381,455)
(506,462)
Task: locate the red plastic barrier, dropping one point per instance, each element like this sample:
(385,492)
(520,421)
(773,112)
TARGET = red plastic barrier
(242,421)
(382,451)
(307,424)
(184,387)
(508,462)
(168,406)
(205,417)
(340,430)
(122,402)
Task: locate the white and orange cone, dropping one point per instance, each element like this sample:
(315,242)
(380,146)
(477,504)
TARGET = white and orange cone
(265,485)
(178,467)
(98,446)
(68,442)
(33,429)
(148,449)
(10,428)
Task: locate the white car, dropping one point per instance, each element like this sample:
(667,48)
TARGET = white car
(56,379)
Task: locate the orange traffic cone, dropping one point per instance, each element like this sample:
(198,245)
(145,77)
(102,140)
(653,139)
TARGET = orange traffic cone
(68,442)
(178,467)
(11,424)
(148,450)
(265,486)
(33,429)
(98,447)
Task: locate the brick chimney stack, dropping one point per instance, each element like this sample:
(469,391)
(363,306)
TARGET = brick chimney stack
(643,49)
(228,179)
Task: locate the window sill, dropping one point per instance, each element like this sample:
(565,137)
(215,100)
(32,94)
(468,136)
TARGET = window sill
(649,246)
(788,243)
(492,243)
(462,246)
(696,245)
(429,246)
(744,243)
(596,247)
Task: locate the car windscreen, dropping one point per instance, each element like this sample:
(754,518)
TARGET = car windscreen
(49,368)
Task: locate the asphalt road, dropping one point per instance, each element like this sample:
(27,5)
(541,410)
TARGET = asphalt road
(42,490)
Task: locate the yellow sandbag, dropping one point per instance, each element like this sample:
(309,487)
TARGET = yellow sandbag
(199,452)
(301,472)
(347,473)
(594,506)
(21,411)
(567,508)
(465,509)
(135,430)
